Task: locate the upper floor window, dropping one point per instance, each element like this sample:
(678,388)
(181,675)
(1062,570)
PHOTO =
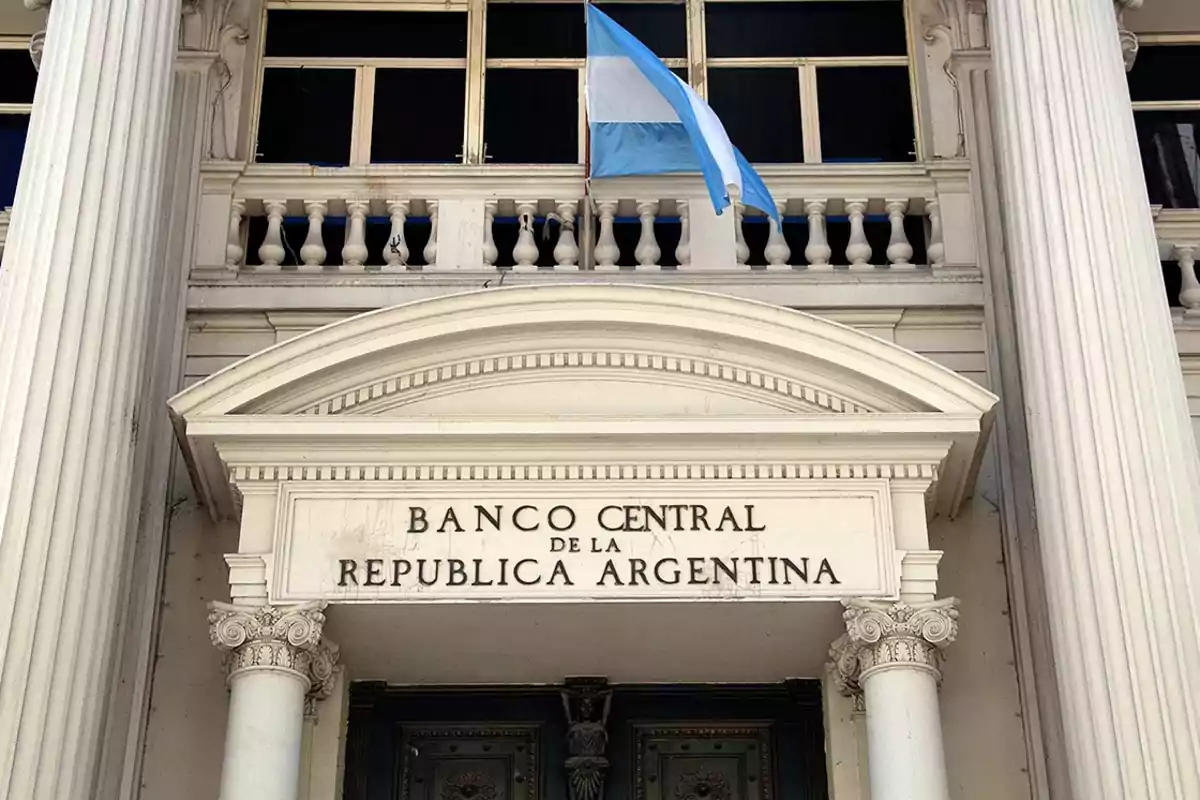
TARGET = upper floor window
(497,82)
(17,81)
(1166,110)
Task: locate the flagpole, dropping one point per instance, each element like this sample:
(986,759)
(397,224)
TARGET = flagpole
(586,238)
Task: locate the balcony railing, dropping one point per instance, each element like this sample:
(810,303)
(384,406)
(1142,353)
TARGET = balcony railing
(1178,232)
(272,219)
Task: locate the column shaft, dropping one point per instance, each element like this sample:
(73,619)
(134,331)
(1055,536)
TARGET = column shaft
(73,297)
(904,736)
(1114,459)
(265,732)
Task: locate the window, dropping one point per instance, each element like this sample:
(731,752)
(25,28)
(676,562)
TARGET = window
(501,81)
(16,101)
(1166,112)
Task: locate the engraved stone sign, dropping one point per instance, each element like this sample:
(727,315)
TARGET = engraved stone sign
(604,540)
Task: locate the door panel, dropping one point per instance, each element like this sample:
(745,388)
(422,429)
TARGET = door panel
(663,743)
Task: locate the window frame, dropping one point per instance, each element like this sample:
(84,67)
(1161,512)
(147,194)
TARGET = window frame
(476,64)
(16,43)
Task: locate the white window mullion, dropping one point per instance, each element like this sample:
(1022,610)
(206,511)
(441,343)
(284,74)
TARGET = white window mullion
(697,50)
(364,116)
(476,72)
(810,113)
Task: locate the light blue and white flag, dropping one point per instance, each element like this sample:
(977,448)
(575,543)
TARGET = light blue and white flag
(644,120)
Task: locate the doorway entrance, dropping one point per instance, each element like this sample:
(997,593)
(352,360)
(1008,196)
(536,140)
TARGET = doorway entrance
(586,740)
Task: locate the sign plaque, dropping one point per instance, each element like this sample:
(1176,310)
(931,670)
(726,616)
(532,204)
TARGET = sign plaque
(596,541)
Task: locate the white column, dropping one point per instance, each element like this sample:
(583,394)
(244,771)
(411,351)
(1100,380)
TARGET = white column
(74,287)
(891,653)
(276,657)
(1115,469)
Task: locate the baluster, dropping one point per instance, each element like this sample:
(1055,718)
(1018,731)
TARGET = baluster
(1189,295)
(490,251)
(683,251)
(234,252)
(395,252)
(525,254)
(858,251)
(647,251)
(566,252)
(271,251)
(899,251)
(607,251)
(354,253)
(430,251)
(741,250)
(777,251)
(937,247)
(817,251)
(312,252)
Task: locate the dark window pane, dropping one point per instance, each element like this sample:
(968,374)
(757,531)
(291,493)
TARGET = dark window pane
(866,114)
(367,34)
(20,77)
(13,128)
(532,116)
(1168,141)
(660,26)
(435,97)
(1166,72)
(760,109)
(306,116)
(807,29)
(541,30)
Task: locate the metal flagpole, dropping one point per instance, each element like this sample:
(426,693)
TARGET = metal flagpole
(586,239)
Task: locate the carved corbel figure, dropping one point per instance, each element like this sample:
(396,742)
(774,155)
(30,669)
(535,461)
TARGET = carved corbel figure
(586,702)
(1129,39)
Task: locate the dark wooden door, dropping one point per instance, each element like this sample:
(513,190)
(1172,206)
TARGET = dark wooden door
(664,743)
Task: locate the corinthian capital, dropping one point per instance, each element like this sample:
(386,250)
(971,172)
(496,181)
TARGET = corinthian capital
(281,638)
(884,635)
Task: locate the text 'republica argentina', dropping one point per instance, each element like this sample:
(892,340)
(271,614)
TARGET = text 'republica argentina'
(587,551)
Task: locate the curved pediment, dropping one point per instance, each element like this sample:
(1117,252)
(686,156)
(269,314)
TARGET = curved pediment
(381,361)
(607,354)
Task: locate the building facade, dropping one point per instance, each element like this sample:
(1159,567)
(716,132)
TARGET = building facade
(352,445)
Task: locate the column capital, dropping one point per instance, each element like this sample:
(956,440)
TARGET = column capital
(281,638)
(884,635)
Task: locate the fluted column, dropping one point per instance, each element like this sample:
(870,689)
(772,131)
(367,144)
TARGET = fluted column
(891,654)
(276,657)
(1115,469)
(74,288)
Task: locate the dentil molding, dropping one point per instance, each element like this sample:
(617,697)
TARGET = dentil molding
(281,638)
(884,635)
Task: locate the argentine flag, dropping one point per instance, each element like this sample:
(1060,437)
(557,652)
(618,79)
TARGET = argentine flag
(644,120)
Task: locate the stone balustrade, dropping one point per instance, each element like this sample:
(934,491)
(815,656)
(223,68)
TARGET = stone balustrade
(1178,232)
(304,220)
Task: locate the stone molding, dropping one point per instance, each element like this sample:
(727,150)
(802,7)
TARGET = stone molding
(281,638)
(885,635)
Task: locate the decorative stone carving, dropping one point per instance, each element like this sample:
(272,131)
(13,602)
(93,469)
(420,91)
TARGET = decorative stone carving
(219,27)
(469,786)
(702,784)
(587,703)
(37,42)
(1128,39)
(882,635)
(286,638)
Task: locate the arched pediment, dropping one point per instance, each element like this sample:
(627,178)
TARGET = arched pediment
(577,356)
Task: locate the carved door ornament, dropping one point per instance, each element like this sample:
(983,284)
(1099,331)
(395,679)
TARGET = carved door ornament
(469,762)
(703,762)
(587,702)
